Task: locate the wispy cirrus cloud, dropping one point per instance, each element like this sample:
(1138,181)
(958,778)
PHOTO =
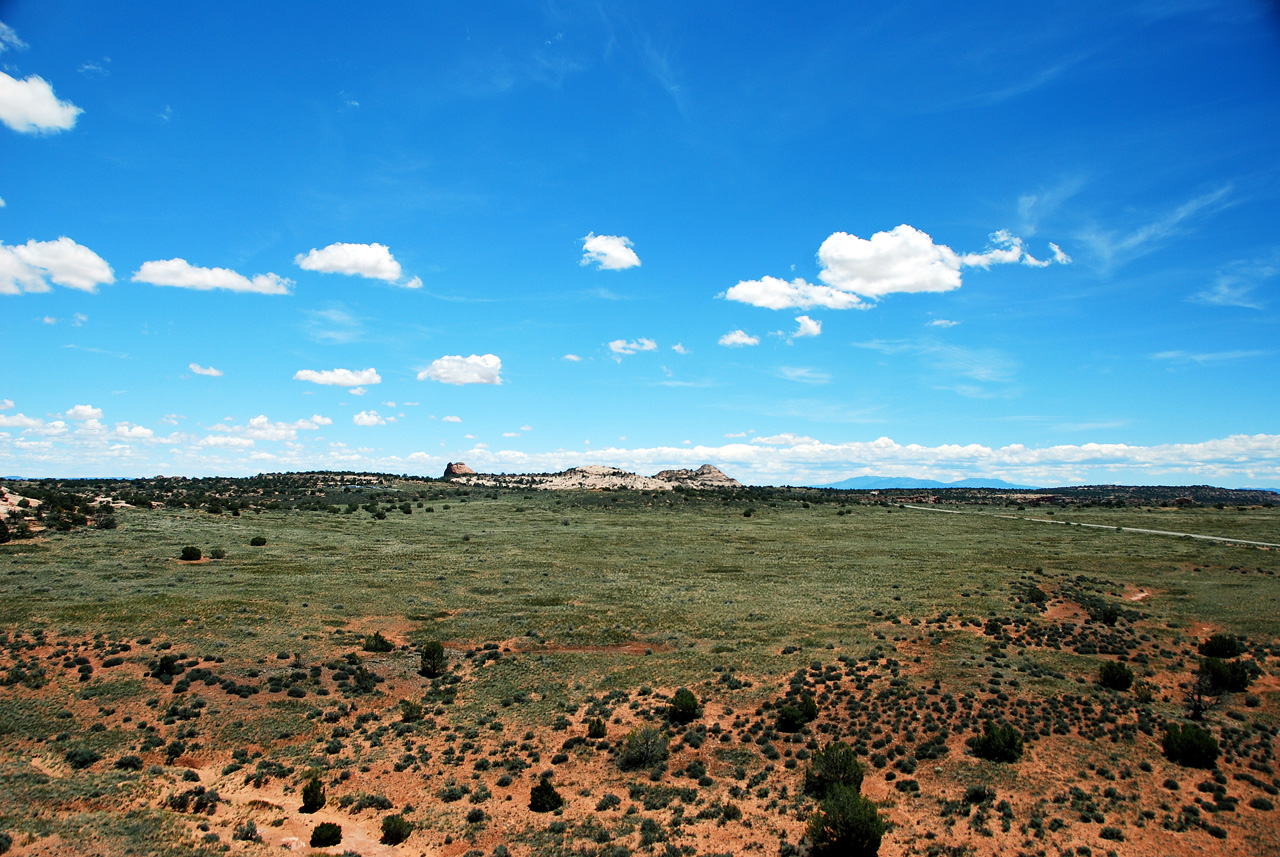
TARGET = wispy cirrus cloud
(1207,357)
(205,370)
(1118,246)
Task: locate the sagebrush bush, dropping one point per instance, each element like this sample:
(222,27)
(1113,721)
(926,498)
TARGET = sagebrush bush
(258,541)
(190,553)
(1189,745)
(793,716)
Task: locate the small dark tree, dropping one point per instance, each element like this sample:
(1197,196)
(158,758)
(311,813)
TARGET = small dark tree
(834,766)
(544,797)
(596,728)
(846,825)
(793,716)
(81,757)
(378,643)
(258,541)
(313,795)
(1225,676)
(684,706)
(395,829)
(434,662)
(1000,743)
(326,833)
(1189,745)
(1115,675)
(190,554)
(1221,646)
(4,532)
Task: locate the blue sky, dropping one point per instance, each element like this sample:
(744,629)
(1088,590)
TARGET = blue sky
(1038,243)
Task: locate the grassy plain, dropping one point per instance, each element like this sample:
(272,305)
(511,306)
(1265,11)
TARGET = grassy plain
(570,605)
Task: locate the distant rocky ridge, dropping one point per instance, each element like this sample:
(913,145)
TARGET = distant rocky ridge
(595,477)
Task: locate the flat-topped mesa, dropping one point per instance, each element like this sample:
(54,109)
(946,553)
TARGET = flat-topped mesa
(457,468)
(706,476)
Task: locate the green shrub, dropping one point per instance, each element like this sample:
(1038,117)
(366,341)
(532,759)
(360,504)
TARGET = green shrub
(793,716)
(313,795)
(6,842)
(190,554)
(1189,745)
(1000,743)
(129,763)
(834,766)
(1115,675)
(434,662)
(246,831)
(642,747)
(395,829)
(218,553)
(846,825)
(81,757)
(1225,676)
(544,797)
(325,834)
(1222,646)
(684,706)
(258,541)
(375,642)
(596,729)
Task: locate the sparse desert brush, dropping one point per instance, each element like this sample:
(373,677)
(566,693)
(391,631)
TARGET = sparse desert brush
(643,747)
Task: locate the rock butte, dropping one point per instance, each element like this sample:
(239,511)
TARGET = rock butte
(595,477)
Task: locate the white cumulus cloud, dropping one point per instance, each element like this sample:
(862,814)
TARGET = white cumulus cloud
(368,418)
(181,274)
(456,369)
(6,404)
(132,432)
(339,377)
(84,412)
(902,260)
(609,252)
(451,419)
(30,267)
(373,261)
(621,346)
(19,421)
(205,370)
(738,338)
(808,327)
(30,107)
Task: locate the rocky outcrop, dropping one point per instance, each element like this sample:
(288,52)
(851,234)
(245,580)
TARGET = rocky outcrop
(706,476)
(594,477)
(457,468)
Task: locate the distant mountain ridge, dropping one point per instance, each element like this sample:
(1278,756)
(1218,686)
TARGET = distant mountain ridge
(877,483)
